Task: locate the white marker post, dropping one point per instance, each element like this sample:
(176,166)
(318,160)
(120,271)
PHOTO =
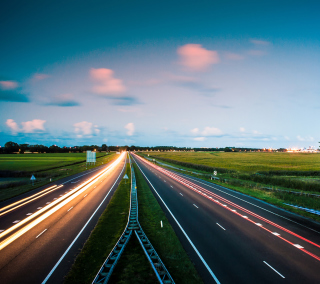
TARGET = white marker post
(125,178)
(161,224)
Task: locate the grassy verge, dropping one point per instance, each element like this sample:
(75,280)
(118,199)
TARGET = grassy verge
(272,197)
(103,238)
(56,174)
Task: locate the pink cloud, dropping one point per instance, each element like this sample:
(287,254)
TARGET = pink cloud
(196,58)
(8,85)
(39,76)
(27,126)
(233,56)
(106,83)
(12,125)
(33,125)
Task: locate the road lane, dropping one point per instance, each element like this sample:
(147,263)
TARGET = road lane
(237,254)
(30,258)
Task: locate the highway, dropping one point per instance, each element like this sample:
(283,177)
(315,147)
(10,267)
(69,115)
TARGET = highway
(41,232)
(234,238)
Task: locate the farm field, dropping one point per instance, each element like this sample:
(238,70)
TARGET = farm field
(16,170)
(36,162)
(246,161)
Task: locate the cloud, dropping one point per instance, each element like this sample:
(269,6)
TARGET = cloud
(63,100)
(8,85)
(12,125)
(124,101)
(259,42)
(307,139)
(233,56)
(9,92)
(199,138)
(36,125)
(106,83)
(39,76)
(208,131)
(85,128)
(196,58)
(242,129)
(130,128)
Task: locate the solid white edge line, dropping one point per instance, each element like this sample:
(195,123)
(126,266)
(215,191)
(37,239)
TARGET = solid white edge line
(195,206)
(273,269)
(187,237)
(69,247)
(41,233)
(220,226)
(181,194)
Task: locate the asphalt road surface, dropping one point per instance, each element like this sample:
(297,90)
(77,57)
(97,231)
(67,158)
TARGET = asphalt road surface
(42,231)
(234,238)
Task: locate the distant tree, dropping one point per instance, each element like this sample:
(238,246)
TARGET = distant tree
(23,148)
(104,147)
(11,147)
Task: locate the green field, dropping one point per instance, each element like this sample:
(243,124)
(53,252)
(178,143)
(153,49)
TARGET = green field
(16,170)
(36,162)
(246,161)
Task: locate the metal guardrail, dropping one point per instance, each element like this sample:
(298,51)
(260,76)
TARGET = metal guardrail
(133,224)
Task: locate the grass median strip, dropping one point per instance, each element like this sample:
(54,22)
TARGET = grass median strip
(104,236)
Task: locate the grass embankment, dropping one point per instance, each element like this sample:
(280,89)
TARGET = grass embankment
(104,236)
(164,240)
(10,187)
(255,189)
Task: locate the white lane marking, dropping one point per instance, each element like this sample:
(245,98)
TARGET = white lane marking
(1,231)
(258,224)
(70,209)
(48,202)
(16,221)
(298,246)
(164,180)
(187,237)
(86,195)
(207,184)
(41,233)
(276,234)
(75,239)
(225,205)
(273,269)
(29,214)
(171,186)
(39,208)
(234,210)
(181,194)
(195,206)
(61,195)
(220,226)
(246,217)
(55,198)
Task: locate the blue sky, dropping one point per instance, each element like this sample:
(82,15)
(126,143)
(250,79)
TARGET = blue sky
(205,74)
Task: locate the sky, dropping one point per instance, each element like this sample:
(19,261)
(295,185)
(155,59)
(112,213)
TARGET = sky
(150,73)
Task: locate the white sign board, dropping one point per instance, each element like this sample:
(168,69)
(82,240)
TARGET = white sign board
(32,178)
(91,157)
(215,173)
(125,176)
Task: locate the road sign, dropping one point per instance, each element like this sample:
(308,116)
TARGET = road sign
(125,176)
(215,173)
(33,178)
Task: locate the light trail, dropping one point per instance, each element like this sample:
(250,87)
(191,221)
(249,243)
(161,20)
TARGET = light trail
(55,206)
(18,204)
(208,194)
